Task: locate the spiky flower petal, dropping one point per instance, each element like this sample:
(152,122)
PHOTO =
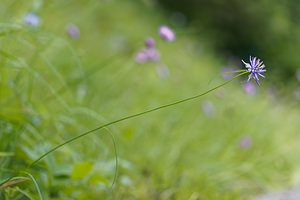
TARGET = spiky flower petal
(255,68)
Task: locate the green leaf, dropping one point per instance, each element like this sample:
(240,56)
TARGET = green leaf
(81,169)
(5,154)
(95,178)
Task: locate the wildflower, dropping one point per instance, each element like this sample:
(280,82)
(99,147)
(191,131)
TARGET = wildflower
(255,68)
(153,54)
(141,57)
(208,109)
(149,53)
(166,33)
(249,88)
(73,31)
(31,19)
(245,141)
(149,41)
(146,54)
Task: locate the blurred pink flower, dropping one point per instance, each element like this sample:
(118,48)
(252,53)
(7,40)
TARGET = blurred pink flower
(245,141)
(166,33)
(153,54)
(249,88)
(147,54)
(141,57)
(73,31)
(149,41)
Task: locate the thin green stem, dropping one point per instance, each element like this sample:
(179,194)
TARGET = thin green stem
(130,117)
(25,193)
(231,72)
(36,185)
(242,70)
(116,155)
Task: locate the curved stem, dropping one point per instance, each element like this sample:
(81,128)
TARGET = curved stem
(116,155)
(130,117)
(230,72)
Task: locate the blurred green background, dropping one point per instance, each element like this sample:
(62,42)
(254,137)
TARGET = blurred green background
(234,143)
(267,28)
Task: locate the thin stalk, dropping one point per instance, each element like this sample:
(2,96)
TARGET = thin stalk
(230,72)
(116,155)
(130,117)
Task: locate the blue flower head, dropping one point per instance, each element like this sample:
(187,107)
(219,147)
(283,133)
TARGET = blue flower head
(31,19)
(255,68)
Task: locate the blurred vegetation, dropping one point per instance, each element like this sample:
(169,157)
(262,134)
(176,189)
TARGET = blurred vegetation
(54,87)
(269,29)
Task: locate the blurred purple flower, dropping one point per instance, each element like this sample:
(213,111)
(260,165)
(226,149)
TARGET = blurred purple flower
(298,74)
(149,41)
(297,93)
(245,141)
(31,19)
(141,57)
(208,109)
(73,31)
(249,88)
(255,67)
(166,33)
(162,71)
(227,69)
(146,54)
(153,54)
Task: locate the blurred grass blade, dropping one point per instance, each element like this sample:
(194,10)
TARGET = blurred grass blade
(25,193)
(12,181)
(5,154)
(36,185)
(116,156)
